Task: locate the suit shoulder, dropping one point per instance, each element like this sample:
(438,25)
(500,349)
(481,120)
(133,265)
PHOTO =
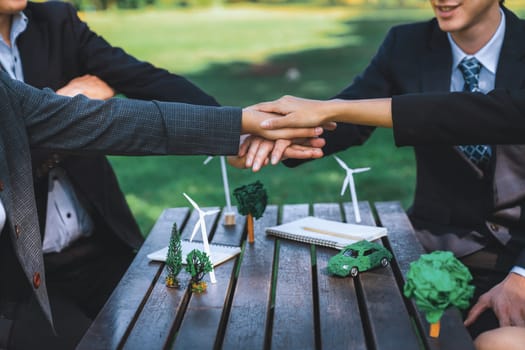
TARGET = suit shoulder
(50,10)
(413,31)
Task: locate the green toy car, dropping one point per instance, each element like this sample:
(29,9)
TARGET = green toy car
(358,257)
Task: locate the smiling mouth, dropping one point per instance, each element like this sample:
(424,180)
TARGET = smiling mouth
(446,8)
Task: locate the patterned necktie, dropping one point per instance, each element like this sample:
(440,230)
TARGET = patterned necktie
(470,68)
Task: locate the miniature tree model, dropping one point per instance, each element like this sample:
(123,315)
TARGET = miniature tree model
(252,199)
(174,258)
(198,264)
(437,281)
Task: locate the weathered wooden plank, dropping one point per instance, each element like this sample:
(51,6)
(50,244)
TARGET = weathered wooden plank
(247,322)
(406,248)
(113,321)
(201,325)
(338,303)
(382,299)
(164,305)
(293,323)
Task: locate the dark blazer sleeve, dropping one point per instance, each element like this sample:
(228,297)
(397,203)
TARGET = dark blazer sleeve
(79,51)
(459,118)
(121,126)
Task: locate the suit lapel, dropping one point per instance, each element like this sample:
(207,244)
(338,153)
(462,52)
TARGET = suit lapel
(31,43)
(436,63)
(510,72)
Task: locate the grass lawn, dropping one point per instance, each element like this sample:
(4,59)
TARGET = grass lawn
(241,55)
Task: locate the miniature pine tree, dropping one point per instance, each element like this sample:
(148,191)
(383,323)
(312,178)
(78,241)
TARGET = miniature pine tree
(252,199)
(198,264)
(174,258)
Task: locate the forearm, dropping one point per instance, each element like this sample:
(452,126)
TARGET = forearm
(374,112)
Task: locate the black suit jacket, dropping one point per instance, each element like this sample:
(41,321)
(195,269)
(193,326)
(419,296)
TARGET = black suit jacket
(459,118)
(57,47)
(452,195)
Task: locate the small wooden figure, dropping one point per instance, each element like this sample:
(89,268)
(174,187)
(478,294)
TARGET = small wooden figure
(198,264)
(252,199)
(437,281)
(174,258)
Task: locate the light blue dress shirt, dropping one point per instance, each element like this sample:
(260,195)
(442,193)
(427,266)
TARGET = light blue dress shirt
(9,55)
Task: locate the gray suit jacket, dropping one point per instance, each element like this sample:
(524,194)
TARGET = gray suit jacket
(40,119)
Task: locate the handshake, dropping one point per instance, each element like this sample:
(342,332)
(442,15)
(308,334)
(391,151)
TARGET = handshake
(289,127)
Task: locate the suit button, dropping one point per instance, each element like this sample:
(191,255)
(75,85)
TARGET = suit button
(18,231)
(36,280)
(494,227)
(1,185)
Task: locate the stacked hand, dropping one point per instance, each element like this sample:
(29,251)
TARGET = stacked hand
(286,128)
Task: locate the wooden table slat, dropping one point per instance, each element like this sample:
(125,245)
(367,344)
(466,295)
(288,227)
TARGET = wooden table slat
(406,248)
(249,313)
(201,325)
(337,297)
(111,325)
(382,298)
(293,322)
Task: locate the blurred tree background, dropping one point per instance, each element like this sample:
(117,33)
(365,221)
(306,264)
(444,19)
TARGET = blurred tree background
(251,51)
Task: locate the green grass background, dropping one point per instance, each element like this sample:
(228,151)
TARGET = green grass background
(240,55)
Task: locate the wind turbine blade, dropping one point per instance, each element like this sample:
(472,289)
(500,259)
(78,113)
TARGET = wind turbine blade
(197,225)
(211,212)
(207,160)
(341,163)
(345,185)
(360,170)
(192,202)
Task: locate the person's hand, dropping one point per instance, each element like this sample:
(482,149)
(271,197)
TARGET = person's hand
(89,86)
(507,300)
(251,124)
(258,152)
(297,112)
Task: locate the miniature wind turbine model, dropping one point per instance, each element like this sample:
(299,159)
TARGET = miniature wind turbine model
(202,224)
(349,180)
(229,215)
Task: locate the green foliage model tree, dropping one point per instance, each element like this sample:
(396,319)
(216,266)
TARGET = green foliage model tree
(252,199)
(174,258)
(436,281)
(198,264)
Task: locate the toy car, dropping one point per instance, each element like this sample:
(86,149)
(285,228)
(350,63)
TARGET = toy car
(358,257)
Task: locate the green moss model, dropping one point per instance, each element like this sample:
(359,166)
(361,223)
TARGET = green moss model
(358,257)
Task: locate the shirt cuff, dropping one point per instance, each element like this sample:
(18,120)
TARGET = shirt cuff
(518,270)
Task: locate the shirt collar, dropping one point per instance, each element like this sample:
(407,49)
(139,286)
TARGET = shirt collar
(18,26)
(488,55)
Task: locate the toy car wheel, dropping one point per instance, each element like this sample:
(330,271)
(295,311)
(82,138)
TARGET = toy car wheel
(384,262)
(354,271)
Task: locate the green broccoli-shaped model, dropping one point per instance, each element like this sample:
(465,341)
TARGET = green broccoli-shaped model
(252,199)
(198,264)
(437,281)
(174,258)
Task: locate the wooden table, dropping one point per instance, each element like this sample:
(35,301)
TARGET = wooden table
(276,294)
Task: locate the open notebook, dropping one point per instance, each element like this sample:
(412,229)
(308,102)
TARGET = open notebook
(328,233)
(219,253)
